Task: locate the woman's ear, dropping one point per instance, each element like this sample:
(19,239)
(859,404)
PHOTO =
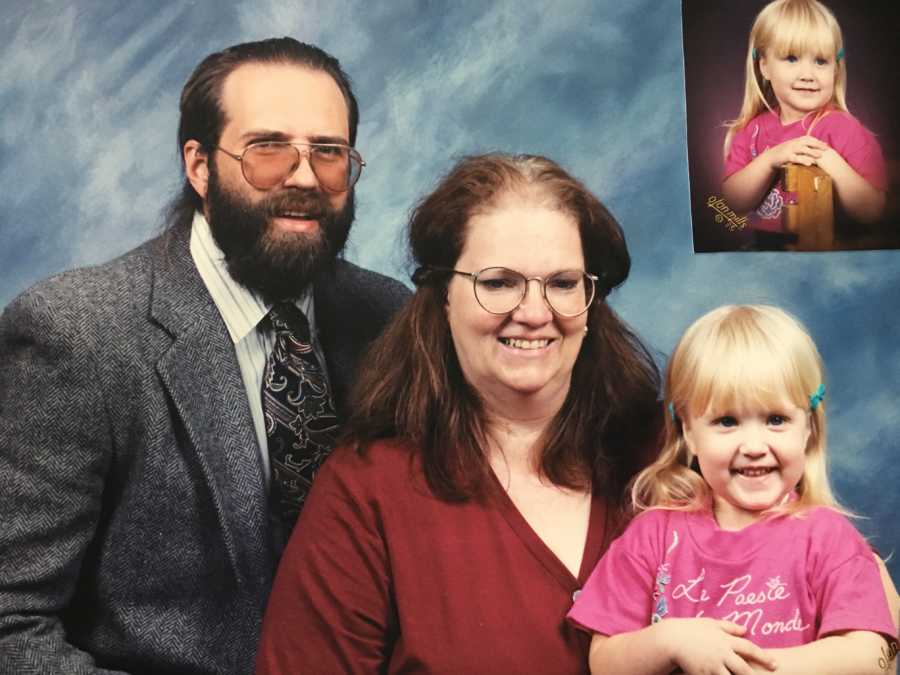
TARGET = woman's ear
(446,295)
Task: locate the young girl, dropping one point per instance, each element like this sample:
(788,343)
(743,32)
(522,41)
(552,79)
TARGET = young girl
(794,111)
(741,545)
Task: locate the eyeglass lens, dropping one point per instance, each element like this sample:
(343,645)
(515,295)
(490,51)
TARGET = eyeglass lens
(266,165)
(500,290)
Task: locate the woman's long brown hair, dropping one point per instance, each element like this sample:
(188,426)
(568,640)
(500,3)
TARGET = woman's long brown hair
(412,387)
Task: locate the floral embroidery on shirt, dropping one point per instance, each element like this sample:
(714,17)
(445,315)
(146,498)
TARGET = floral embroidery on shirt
(663,578)
(771,205)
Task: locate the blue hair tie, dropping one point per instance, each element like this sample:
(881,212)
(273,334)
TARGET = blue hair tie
(840,55)
(816,398)
(756,54)
(671,408)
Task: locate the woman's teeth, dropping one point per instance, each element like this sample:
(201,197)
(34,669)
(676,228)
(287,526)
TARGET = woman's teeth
(524,344)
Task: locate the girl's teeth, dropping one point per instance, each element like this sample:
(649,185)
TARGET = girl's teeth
(525,344)
(754,472)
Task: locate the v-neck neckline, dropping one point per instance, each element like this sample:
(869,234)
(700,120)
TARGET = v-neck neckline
(543,553)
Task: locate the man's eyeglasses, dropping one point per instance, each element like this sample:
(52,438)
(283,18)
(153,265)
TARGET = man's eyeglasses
(268,164)
(500,290)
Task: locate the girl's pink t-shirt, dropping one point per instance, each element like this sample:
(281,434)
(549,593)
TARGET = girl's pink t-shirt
(789,580)
(840,130)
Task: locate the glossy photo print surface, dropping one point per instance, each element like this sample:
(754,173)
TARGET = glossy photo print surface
(89,157)
(793,131)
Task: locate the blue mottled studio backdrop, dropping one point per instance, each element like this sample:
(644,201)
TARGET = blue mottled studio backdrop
(88,114)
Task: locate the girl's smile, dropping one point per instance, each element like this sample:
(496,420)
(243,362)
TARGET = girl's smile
(755,471)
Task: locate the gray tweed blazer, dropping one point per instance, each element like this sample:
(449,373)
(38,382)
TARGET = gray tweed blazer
(133,520)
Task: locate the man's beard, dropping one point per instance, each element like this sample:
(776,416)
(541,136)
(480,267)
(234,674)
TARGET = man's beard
(277,265)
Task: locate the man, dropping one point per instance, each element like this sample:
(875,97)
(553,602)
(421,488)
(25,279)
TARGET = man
(161,416)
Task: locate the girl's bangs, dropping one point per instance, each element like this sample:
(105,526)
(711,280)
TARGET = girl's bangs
(803,34)
(736,377)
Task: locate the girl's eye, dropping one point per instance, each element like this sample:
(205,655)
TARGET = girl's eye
(776,420)
(821,62)
(790,58)
(726,421)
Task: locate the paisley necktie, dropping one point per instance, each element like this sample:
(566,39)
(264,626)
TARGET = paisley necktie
(301,424)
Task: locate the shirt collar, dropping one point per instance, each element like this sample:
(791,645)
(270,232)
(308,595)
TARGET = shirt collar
(241,308)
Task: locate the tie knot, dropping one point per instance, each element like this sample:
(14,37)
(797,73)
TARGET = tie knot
(289,321)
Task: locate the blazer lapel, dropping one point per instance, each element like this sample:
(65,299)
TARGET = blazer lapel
(201,374)
(336,340)
(346,323)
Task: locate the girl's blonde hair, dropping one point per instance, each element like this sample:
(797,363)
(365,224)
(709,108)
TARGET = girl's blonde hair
(734,357)
(788,27)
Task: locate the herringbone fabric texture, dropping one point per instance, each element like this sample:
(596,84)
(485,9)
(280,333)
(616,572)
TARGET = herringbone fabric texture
(134,527)
(301,423)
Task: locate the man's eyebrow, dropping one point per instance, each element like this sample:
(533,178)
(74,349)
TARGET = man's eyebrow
(338,140)
(264,135)
(259,135)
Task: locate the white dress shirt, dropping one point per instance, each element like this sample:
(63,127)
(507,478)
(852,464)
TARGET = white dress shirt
(242,311)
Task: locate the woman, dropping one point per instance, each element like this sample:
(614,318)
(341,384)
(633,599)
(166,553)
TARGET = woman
(496,426)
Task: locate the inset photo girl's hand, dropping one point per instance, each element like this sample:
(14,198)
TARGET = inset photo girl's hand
(831,162)
(806,150)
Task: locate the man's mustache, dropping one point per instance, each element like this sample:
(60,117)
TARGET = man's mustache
(311,203)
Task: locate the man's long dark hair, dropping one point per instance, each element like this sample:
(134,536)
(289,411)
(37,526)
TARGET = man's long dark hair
(413,388)
(202,117)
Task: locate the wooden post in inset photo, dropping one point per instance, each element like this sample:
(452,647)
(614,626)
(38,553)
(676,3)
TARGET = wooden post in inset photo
(810,214)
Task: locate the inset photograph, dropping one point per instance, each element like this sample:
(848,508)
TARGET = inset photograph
(793,132)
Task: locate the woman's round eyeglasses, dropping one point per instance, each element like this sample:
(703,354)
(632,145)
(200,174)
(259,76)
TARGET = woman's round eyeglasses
(265,165)
(500,290)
